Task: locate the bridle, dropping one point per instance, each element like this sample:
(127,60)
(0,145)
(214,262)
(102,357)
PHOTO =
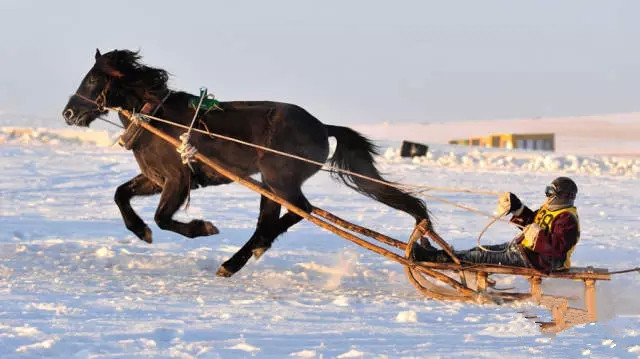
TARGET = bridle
(100,101)
(101,105)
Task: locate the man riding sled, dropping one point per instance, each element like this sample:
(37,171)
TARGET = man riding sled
(546,242)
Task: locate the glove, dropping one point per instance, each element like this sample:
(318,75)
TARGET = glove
(509,203)
(531,233)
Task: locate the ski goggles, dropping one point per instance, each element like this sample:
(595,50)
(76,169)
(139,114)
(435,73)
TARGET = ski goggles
(551,191)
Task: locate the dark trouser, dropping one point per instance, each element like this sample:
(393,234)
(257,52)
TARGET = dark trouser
(507,254)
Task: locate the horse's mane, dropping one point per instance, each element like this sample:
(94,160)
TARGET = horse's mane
(147,81)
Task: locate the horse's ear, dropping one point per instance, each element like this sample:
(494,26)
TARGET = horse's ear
(104,63)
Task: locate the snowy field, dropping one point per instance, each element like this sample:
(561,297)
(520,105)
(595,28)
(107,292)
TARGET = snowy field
(74,283)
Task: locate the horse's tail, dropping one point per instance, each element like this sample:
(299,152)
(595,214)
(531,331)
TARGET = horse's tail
(354,153)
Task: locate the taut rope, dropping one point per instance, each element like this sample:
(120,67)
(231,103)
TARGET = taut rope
(402,186)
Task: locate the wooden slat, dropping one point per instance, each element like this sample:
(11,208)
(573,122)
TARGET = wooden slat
(449,250)
(573,273)
(359,229)
(536,288)
(444,245)
(424,285)
(590,298)
(481,281)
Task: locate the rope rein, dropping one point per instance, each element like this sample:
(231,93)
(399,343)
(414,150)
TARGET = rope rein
(111,122)
(483,248)
(636,269)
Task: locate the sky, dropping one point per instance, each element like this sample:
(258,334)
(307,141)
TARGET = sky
(345,62)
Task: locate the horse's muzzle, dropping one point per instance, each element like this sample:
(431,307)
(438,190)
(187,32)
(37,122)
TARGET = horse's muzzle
(68,116)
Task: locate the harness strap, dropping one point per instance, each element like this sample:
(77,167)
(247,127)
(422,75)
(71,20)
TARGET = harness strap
(131,134)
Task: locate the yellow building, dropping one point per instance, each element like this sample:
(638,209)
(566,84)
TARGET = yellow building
(529,141)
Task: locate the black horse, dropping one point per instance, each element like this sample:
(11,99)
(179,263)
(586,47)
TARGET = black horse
(118,79)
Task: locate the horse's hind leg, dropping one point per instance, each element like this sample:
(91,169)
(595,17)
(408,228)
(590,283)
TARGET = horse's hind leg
(289,219)
(174,194)
(269,226)
(267,221)
(292,194)
(140,185)
(284,177)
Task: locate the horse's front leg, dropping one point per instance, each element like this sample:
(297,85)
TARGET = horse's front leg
(174,194)
(140,185)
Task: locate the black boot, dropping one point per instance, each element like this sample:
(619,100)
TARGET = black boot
(424,243)
(422,254)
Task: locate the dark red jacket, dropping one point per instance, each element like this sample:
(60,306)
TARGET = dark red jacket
(550,250)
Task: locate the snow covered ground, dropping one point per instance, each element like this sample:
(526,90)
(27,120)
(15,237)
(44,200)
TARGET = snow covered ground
(74,283)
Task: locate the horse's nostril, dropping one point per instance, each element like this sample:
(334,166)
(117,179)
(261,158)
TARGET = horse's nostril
(68,114)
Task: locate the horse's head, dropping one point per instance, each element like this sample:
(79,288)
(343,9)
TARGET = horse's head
(117,79)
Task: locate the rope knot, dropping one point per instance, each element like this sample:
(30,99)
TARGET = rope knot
(186,150)
(135,118)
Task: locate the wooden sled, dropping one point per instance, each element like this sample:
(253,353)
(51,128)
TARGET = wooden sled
(563,315)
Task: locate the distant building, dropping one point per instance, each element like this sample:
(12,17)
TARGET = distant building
(530,141)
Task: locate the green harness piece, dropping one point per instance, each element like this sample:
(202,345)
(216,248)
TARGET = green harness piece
(208,102)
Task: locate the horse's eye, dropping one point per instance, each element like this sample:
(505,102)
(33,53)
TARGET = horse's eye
(92,79)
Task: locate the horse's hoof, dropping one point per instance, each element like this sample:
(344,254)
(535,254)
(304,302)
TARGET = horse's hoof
(147,236)
(223,272)
(210,229)
(258,252)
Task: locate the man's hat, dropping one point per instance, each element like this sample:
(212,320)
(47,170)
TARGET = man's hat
(565,187)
